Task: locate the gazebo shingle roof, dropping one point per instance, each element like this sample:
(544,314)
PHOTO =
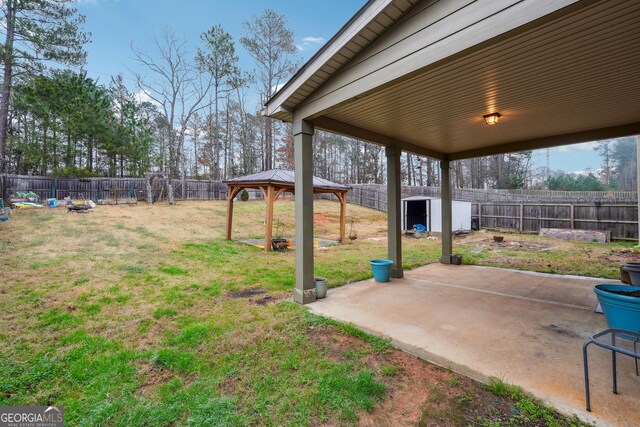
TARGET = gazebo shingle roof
(284,178)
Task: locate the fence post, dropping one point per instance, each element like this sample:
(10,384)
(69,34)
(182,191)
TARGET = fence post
(521,217)
(378,199)
(573,217)
(479,216)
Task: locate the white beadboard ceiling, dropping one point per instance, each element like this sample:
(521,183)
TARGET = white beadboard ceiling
(577,73)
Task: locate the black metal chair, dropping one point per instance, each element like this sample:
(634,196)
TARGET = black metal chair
(617,341)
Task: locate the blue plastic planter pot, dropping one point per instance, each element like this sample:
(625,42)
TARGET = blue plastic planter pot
(621,311)
(381,269)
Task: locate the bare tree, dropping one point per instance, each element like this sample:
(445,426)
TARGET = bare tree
(604,149)
(270,42)
(196,125)
(178,88)
(218,58)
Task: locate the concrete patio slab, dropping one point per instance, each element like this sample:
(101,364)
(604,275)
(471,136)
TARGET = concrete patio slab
(526,328)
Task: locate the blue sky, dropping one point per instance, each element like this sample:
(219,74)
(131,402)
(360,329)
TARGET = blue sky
(115,24)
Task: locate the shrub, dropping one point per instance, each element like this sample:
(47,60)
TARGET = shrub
(244,196)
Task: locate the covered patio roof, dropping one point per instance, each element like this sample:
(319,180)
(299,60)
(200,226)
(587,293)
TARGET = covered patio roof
(419,75)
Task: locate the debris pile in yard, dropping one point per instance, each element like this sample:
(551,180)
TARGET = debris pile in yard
(5,212)
(24,196)
(26,205)
(589,236)
(80,207)
(25,200)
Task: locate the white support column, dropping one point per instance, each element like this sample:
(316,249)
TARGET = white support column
(305,291)
(394,195)
(447,229)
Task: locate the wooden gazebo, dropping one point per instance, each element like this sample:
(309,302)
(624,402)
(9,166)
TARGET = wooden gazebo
(272,184)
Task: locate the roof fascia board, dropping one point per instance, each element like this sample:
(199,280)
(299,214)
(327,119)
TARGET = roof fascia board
(360,20)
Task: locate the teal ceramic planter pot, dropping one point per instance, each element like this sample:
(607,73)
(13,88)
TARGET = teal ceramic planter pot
(621,311)
(381,269)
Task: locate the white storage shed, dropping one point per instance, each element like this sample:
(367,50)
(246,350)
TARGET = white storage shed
(428,212)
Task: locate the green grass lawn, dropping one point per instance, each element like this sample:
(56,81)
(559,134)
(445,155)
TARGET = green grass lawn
(137,316)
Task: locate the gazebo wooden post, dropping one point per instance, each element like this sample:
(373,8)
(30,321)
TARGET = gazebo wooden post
(269,225)
(343,213)
(233,191)
(265,197)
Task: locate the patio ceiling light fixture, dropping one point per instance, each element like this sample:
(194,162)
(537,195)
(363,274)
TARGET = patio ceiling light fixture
(491,119)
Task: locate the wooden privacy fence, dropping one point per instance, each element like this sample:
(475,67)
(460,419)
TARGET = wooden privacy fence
(368,194)
(108,188)
(620,219)
(521,210)
(535,209)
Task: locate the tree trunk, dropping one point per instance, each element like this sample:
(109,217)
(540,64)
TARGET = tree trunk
(5,93)
(90,155)
(216,173)
(195,151)
(170,197)
(45,147)
(183,167)
(268,155)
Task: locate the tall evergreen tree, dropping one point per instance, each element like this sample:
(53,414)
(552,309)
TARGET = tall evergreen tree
(37,32)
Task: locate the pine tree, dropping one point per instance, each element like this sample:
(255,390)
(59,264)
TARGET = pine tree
(37,32)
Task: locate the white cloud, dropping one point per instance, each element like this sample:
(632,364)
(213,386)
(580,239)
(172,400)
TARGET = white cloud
(585,172)
(310,42)
(315,40)
(142,96)
(585,146)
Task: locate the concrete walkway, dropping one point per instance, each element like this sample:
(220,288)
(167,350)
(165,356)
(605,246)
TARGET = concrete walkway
(526,328)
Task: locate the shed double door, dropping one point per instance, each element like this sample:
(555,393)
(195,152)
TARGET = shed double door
(417,212)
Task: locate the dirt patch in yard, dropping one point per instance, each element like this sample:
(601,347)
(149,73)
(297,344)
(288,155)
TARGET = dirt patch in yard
(245,293)
(512,242)
(153,376)
(621,256)
(420,393)
(266,300)
(407,378)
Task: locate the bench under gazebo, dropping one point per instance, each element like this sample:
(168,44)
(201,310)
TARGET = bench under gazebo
(273,183)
